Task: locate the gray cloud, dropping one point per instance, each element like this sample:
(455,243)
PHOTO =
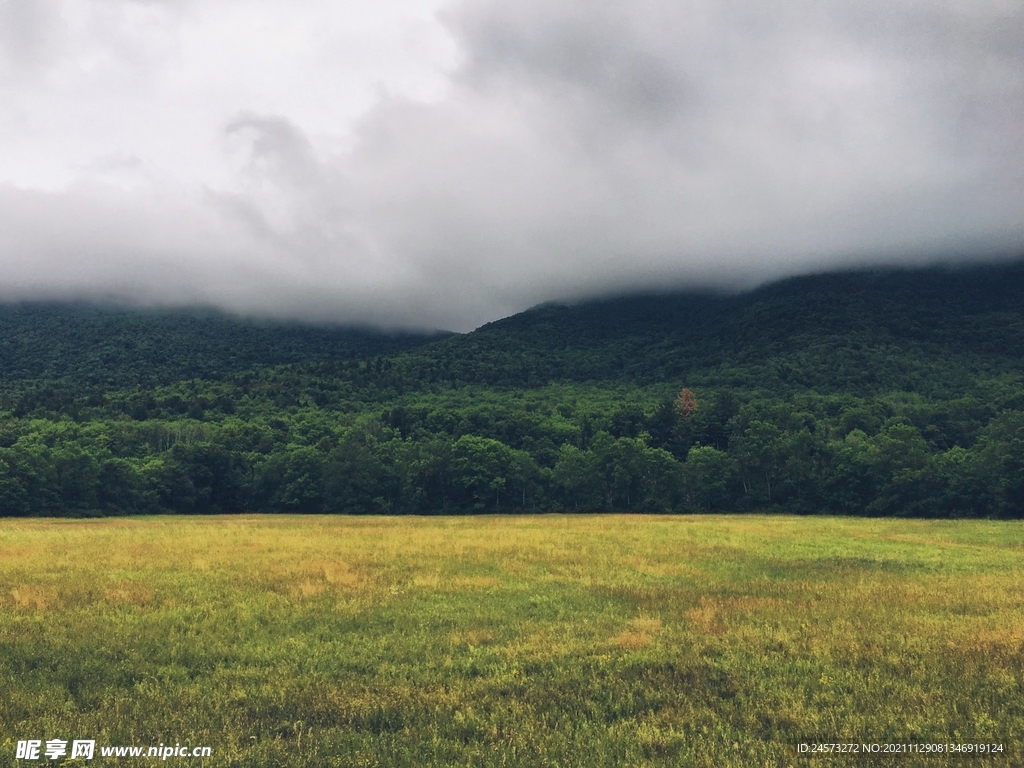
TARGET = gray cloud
(576,148)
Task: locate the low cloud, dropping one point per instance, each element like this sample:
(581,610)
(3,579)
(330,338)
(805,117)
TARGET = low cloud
(558,150)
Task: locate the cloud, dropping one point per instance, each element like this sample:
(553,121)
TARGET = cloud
(508,153)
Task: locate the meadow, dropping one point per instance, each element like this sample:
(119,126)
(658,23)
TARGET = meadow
(599,640)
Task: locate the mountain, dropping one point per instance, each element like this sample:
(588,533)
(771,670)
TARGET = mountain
(855,331)
(104,347)
(887,392)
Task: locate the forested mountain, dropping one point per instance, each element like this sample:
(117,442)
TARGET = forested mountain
(836,332)
(882,392)
(114,348)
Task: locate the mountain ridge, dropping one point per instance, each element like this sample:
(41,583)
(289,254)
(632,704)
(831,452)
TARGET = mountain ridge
(110,346)
(869,393)
(973,313)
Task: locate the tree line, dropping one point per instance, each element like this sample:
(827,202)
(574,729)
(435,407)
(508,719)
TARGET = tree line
(572,448)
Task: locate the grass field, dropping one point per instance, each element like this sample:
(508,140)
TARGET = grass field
(549,640)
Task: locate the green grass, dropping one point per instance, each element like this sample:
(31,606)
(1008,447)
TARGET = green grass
(478,641)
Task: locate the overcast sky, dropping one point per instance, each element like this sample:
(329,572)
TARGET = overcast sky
(424,163)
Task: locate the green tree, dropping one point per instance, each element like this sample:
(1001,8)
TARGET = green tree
(359,477)
(481,467)
(707,473)
(760,452)
(292,480)
(1001,448)
(577,479)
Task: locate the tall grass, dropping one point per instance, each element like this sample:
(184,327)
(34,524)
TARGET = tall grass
(552,640)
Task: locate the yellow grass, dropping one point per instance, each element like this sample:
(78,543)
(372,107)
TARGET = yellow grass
(550,640)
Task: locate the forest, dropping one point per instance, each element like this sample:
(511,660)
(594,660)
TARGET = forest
(880,393)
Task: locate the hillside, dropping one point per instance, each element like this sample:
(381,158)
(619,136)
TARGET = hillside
(108,348)
(881,393)
(837,332)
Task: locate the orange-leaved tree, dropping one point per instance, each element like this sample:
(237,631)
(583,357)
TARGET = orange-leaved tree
(686,402)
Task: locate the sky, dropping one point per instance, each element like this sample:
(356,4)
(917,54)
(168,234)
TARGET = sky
(421,163)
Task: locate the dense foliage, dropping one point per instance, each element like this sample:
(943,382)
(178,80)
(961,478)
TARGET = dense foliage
(880,393)
(93,347)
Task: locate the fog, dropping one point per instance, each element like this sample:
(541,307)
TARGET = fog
(424,164)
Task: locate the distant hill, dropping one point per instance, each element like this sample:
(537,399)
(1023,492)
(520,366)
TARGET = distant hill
(110,348)
(887,392)
(883,329)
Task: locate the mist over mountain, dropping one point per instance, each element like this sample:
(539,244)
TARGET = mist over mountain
(434,164)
